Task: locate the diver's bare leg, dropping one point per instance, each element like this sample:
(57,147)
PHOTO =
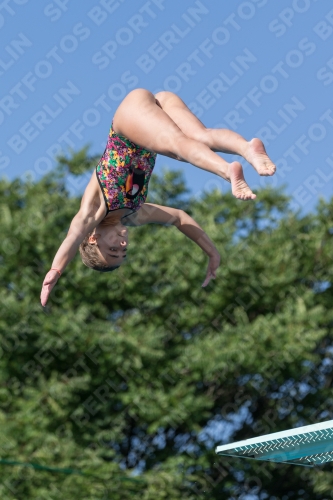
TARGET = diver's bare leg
(142,121)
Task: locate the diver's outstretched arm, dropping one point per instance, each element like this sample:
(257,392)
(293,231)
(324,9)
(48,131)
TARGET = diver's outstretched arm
(82,224)
(151,213)
(192,230)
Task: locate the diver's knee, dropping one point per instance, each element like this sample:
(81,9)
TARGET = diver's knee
(163,96)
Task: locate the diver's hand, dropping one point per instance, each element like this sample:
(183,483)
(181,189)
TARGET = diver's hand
(214,262)
(49,282)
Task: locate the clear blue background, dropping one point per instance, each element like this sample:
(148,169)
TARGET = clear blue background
(49,24)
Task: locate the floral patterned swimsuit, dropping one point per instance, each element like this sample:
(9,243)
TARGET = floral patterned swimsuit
(123,173)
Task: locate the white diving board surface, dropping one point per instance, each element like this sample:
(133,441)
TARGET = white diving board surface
(310,445)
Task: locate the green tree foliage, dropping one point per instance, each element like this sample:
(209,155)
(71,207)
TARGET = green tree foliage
(134,377)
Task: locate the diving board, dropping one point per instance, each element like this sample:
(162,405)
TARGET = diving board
(309,445)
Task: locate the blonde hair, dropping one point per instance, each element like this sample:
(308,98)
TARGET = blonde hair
(91,257)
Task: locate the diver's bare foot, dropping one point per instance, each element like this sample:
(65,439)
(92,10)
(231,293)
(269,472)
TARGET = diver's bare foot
(259,159)
(238,184)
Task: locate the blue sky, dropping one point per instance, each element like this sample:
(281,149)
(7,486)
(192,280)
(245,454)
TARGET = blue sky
(259,67)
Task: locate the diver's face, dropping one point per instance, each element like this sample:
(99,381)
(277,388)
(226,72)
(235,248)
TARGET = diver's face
(112,242)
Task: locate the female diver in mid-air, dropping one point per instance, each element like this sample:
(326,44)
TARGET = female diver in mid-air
(145,125)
